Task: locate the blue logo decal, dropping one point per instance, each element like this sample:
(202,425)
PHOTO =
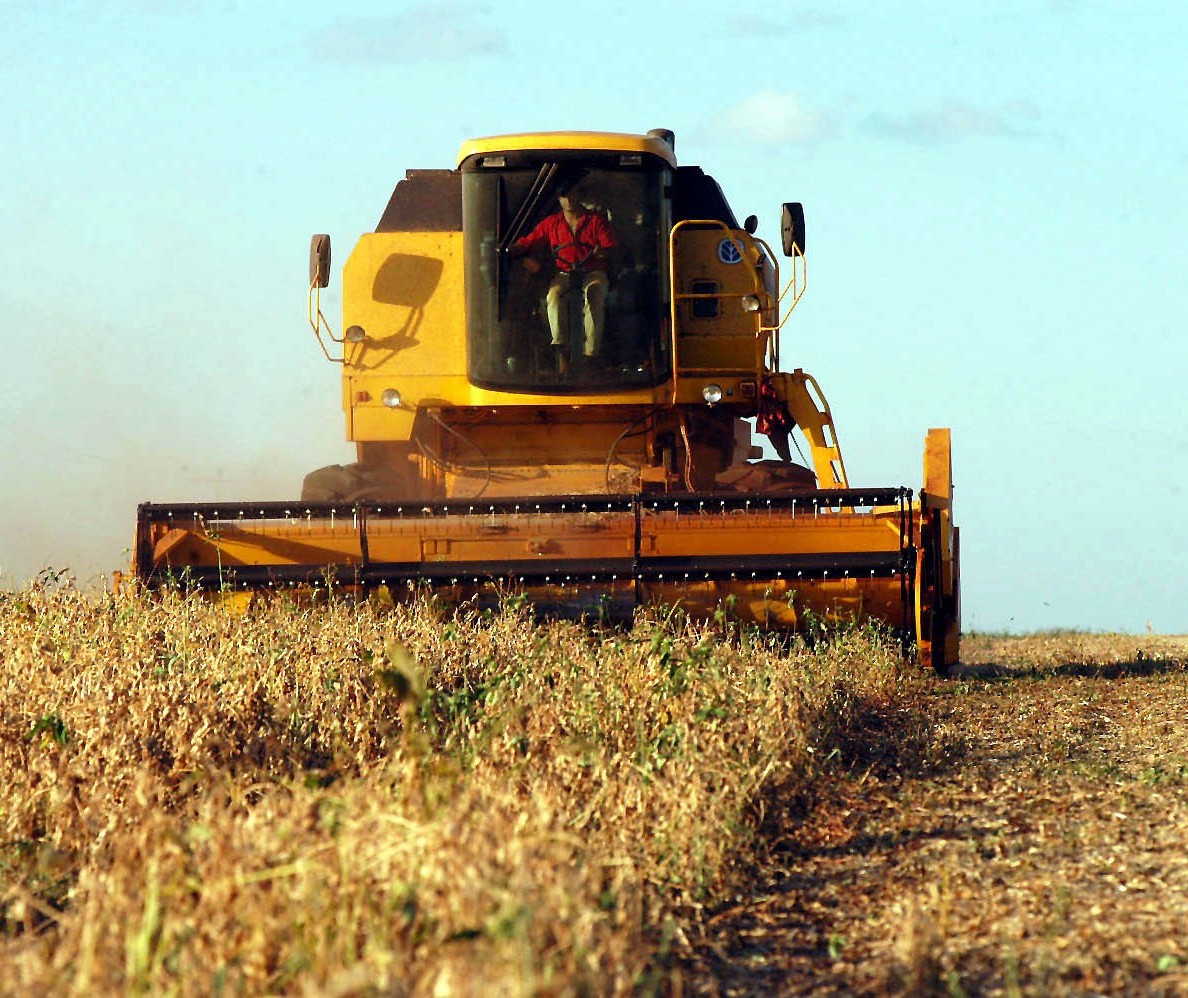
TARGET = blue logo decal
(729,251)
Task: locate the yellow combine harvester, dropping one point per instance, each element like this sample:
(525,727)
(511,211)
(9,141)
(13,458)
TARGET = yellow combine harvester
(553,357)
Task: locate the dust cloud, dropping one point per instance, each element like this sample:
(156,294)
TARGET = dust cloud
(82,448)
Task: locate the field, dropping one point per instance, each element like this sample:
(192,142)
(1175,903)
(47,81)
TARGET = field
(355,799)
(1044,854)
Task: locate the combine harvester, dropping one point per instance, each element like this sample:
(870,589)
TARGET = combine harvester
(552,358)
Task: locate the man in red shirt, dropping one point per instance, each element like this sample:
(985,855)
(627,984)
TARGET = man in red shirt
(579,241)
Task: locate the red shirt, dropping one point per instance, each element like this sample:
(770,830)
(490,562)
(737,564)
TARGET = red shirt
(572,249)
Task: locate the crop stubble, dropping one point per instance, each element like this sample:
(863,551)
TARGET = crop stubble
(1045,855)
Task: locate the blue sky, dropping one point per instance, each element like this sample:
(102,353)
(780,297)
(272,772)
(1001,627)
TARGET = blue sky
(996,200)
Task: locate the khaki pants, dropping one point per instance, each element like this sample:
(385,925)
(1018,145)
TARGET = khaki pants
(594,285)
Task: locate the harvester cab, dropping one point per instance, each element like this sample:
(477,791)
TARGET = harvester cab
(553,360)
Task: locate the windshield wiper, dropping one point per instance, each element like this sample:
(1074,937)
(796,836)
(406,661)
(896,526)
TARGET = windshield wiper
(541,183)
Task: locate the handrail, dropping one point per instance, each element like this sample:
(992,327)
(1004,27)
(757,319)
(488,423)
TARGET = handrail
(318,323)
(792,284)
(674,296)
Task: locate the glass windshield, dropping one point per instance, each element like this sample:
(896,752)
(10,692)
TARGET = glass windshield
(566,289)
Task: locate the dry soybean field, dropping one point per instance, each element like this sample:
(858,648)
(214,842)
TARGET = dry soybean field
(356,798)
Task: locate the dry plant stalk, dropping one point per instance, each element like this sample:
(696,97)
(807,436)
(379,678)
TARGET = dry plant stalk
(351,798)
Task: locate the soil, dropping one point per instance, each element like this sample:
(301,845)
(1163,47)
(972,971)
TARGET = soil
(1039,846)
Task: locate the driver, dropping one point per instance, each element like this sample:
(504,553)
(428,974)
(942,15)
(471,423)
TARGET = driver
(579,241)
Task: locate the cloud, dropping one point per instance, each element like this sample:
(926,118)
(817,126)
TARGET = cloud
(757,26)
(954,122)
(771,118)
(437,32)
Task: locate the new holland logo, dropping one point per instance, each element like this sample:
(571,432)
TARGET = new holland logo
(729,251)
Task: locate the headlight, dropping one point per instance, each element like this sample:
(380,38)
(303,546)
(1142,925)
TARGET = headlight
(712,394)
(391,398)
(355,334)
(750,303)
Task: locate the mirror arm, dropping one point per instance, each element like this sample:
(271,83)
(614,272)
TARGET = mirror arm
(318,323)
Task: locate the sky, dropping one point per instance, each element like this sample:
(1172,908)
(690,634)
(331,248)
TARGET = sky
(996,197)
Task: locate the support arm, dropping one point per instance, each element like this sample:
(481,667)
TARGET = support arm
(806,404)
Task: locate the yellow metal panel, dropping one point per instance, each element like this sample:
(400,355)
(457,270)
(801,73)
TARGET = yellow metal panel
(503,539)
(938,467)
(695,241)
(670,534)
(372,420)
(375,421)
(263,542)
(696,252)
(720,354)
(581,141)
(736,390)
(806,402)
(405,289)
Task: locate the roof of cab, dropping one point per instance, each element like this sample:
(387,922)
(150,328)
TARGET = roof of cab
(568,141)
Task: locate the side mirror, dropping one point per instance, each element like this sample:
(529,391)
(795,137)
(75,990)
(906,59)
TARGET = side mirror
(319,261)
(792,228)
(751,225)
